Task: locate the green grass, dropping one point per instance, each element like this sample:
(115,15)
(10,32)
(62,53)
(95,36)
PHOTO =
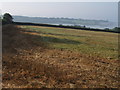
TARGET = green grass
(102,44)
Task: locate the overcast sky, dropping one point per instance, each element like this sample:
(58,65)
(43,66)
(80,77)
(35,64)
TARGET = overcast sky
(59,0)
(85,10)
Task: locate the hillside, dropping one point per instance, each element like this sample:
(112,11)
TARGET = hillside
(41,57)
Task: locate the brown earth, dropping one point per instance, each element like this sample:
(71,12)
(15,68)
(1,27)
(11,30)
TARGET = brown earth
(28,63)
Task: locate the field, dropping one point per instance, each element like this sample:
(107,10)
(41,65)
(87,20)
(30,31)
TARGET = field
(49,57)
(101,44)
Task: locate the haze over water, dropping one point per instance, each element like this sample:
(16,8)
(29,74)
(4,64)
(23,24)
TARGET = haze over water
(84,10)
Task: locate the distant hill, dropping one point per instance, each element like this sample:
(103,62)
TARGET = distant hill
(67,21)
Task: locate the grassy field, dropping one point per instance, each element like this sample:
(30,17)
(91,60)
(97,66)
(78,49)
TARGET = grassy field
(46,57)
(98,44)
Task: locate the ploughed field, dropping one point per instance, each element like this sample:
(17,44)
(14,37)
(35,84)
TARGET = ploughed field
(49,57)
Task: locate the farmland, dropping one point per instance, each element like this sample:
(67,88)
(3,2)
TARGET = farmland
(100,44)
(49,57)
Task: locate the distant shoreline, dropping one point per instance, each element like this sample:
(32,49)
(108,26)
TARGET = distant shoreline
(98,24)
(62,26)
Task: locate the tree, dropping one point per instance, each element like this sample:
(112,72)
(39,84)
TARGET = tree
(116,29)
(7,19)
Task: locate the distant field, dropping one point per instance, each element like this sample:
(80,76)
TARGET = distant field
(98,44)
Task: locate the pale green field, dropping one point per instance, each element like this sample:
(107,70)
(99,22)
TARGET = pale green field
(101,44)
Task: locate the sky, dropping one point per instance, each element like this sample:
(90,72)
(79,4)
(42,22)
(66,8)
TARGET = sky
(59,0)
(84,10)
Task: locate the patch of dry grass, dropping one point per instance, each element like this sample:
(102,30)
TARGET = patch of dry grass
(29,63)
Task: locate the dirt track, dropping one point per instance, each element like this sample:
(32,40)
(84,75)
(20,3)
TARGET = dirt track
(27,63)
